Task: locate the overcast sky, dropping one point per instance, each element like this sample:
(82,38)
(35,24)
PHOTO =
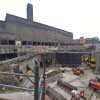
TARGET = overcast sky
(82,17)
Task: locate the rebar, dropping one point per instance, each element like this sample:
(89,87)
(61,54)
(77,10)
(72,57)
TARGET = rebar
(21,88)
(17,74)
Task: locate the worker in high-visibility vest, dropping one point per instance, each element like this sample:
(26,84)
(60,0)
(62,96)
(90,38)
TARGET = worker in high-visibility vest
(77,95)
(28,70)
(21,72)
(82,93)
(21,77)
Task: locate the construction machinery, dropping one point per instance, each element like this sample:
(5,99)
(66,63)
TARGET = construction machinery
(93,62)
(78,71)
(90,60)
(85,59)
(95,83)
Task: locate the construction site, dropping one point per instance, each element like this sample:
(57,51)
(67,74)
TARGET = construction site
(50,76)
(47,63)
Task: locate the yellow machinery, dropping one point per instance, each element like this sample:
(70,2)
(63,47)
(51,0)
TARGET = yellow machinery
(89,60)
(93,62)
(82,59)
(85,59)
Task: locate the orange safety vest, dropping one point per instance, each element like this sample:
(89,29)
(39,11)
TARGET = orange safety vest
(82,93)
(72,99)
(79,97)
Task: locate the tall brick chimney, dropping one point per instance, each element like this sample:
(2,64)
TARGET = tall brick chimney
(29,13)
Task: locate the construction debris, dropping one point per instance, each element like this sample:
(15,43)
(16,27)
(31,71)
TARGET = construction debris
(78,71)
(54,95)
(67,87)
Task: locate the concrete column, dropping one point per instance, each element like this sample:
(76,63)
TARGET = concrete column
(97,54)
(36,72)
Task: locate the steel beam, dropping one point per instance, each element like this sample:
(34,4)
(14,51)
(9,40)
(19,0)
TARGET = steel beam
(17,74)
(21,88)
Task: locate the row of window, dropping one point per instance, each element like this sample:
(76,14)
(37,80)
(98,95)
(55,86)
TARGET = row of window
(13,42)
(91,42)
(39,43)
(9,42)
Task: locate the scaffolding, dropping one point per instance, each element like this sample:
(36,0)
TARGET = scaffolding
(29,76)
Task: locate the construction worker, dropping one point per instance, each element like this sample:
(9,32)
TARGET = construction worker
(21,77)
(75,95)
(20,72)
(28,70)
(74,92)
(17,69)
(82,93)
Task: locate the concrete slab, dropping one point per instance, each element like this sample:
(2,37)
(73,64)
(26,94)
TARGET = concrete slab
(68,76)
(59,90)
(81,82)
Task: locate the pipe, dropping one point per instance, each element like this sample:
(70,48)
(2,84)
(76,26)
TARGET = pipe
(21,88)
(17,74)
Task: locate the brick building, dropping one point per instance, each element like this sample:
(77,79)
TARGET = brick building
(29,33)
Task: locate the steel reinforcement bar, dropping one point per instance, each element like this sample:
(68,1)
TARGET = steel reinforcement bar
(15,87)
(17,74)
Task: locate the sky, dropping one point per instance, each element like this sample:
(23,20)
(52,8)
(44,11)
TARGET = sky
(81,17)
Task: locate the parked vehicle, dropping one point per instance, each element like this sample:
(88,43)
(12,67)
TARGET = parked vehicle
(95,83)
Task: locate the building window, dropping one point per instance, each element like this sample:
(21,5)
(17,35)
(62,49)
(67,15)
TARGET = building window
(24,42)
(4,42)
(11,42)
(34,43)
(29,42)
(38,43)
(46,43)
